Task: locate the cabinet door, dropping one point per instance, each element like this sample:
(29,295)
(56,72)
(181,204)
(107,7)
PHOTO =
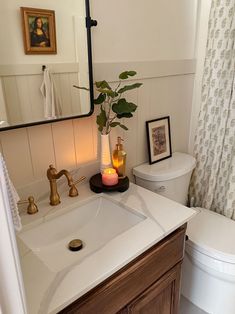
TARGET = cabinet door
(161,298)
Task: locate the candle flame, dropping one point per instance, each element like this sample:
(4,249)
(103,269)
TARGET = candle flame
(109,171)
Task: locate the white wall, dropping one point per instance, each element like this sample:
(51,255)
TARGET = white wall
(137,30)
(155,37)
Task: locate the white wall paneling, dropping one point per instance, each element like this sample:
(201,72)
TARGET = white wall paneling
(11,96)
(85,133)
(21,84)
(69,144)
(24,100)
(16,151)
(64,146)
(41,147)
(155,38)
(144,69)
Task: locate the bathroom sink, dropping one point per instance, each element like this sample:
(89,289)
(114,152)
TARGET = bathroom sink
(95,222)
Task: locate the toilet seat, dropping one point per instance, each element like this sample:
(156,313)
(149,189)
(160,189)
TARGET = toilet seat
(211,243)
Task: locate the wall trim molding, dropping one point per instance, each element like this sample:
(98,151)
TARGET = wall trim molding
(36,69)
(145,69)
(110,70)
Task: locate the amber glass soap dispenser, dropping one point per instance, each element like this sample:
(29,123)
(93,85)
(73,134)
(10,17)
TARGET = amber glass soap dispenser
(119,159)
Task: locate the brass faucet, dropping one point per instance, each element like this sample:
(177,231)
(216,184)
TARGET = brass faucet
(52,176)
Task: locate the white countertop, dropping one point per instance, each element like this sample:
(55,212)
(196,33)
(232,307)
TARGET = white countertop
(49,292)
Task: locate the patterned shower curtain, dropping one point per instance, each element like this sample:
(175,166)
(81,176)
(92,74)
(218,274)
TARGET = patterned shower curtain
(213,181)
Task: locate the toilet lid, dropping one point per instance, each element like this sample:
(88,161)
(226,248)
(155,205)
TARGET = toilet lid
(213,234)
(177,165)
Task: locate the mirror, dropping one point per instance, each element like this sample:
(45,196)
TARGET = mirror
(45,61)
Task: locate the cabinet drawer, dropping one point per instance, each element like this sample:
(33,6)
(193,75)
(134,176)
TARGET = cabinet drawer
(125,285)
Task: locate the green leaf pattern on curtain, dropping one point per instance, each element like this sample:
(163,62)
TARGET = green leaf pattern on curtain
(213,181)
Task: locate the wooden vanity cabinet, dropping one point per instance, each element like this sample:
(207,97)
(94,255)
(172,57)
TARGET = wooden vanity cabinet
(150,284)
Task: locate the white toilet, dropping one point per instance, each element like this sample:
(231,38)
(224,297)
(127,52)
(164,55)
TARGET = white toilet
(208,278)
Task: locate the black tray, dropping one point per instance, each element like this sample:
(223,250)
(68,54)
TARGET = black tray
(97,186)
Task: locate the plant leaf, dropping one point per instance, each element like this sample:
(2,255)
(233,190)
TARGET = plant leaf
(126,74)
(113,124)
(81,87)
(102,84)
(129,87)
(123,127)
(124,115)
(100,99)
(108,92)
(101,119)
(122,106)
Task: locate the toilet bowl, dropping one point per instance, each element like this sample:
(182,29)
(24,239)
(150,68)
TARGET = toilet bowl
(208,272)
(208,278)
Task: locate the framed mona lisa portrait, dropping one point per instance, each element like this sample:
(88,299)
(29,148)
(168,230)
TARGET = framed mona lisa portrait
(39,31)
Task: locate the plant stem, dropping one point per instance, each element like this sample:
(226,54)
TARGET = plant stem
(108,115)
(113,118)
(118,86)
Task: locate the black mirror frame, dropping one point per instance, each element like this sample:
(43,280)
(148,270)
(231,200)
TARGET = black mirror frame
(89,23)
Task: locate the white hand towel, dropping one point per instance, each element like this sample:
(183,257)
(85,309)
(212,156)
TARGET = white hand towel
(13,196)
(50,98)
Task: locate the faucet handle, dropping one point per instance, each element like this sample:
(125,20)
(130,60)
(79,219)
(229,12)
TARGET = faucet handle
(79,180)
(32,207)
(73,190)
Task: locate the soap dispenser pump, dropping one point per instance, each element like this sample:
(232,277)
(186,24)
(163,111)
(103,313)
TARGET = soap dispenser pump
(119,159)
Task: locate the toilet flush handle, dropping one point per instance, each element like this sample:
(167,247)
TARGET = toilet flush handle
(160,189)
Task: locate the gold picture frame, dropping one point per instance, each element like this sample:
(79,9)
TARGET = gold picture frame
(39,31)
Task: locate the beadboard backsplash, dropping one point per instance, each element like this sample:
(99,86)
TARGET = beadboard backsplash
(167,90)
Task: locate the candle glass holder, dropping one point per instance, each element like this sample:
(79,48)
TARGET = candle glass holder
(109,177)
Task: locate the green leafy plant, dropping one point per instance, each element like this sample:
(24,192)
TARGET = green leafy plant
(113,106)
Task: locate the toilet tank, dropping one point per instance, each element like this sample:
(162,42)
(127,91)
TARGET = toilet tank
(169,177)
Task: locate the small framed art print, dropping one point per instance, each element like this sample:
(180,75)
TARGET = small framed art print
(39,31)
(159,139)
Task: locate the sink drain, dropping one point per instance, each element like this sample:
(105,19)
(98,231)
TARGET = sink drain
(75,245)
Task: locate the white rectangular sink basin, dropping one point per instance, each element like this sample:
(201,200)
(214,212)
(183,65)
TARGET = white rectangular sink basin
(96,222)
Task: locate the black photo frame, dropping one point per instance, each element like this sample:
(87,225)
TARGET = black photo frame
(159,139)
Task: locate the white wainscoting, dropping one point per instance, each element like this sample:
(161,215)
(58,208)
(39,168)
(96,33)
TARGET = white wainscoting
(167,90)
(21,87)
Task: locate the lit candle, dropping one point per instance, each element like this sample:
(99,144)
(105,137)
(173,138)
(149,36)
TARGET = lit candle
(109,177)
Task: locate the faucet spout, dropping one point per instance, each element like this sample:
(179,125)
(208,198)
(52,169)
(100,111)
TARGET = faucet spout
(59,174)
(52,176)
